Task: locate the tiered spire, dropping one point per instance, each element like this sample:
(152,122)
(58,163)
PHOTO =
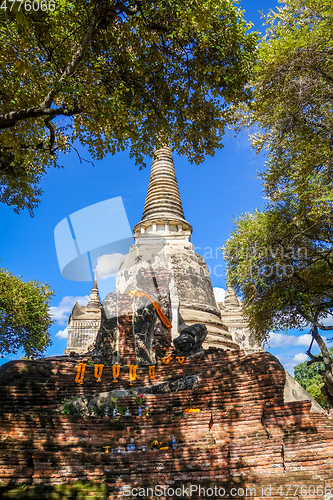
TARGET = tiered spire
(230,299)
(163,203)
(94,302)
(163,199)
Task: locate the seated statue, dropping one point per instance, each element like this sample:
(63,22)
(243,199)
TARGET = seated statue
(135,326)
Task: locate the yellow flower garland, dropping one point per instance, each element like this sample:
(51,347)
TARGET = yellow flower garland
(115,372)
(180,359)
(98,372)
(166,361)
(80,373)
(152,371)
(155,443)
(132,373)
(192,410)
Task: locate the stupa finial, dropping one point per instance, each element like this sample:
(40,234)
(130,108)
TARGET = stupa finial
(94,301)
(230,299)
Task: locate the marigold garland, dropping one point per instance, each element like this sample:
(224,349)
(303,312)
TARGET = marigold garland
(98,372)
(132,373)
(115,372)
(152,371)
(192,410)
(155,444)
(166,361)
(80,373)
(180,359)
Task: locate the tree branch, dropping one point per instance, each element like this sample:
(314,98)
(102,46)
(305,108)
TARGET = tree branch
(313,321)
(314,359)
(44,109)
(72,65)
(10,119)
(322,346)
(48,123)
(79,156)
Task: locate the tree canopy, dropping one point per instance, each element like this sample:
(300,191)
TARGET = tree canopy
(115,74)
(24,316)
(280,258)
(283,270)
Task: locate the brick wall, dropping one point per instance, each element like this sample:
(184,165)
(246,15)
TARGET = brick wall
(244,436)
(126,337)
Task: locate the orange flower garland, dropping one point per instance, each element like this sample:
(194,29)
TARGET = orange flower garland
(152,371)
(192,410)
(80,373)
(180,359)
(132,373)
(115,372)
(98,372)
(166,361)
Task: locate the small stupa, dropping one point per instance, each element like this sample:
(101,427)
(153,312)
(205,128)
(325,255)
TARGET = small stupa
(84,323)
(232,314)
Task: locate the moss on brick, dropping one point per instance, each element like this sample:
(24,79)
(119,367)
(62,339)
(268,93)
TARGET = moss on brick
(73,490)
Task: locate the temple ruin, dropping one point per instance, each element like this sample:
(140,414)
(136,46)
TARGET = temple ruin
(163,239)
(161,387)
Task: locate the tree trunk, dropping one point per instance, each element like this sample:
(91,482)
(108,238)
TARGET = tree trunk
(327,389)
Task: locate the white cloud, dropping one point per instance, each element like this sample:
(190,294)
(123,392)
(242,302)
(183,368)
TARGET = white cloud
(219,294)
(300,357)
(61,312)
(297,359)
(108,264)
(62,334)
(283,340)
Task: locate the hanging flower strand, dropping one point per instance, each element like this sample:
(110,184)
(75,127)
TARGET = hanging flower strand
(98,372)
(80,373)
(152,372)
(180,359)
(166,361)
(115,372)
(132,373)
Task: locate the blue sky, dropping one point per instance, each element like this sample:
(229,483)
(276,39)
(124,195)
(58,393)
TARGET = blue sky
(212,193)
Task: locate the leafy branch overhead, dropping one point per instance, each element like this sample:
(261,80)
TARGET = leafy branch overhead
(116,74)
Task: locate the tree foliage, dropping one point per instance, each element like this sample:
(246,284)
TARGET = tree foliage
(292,104)
(309,377)
(283,270)
(24,316)
(115,74)
(280,258)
